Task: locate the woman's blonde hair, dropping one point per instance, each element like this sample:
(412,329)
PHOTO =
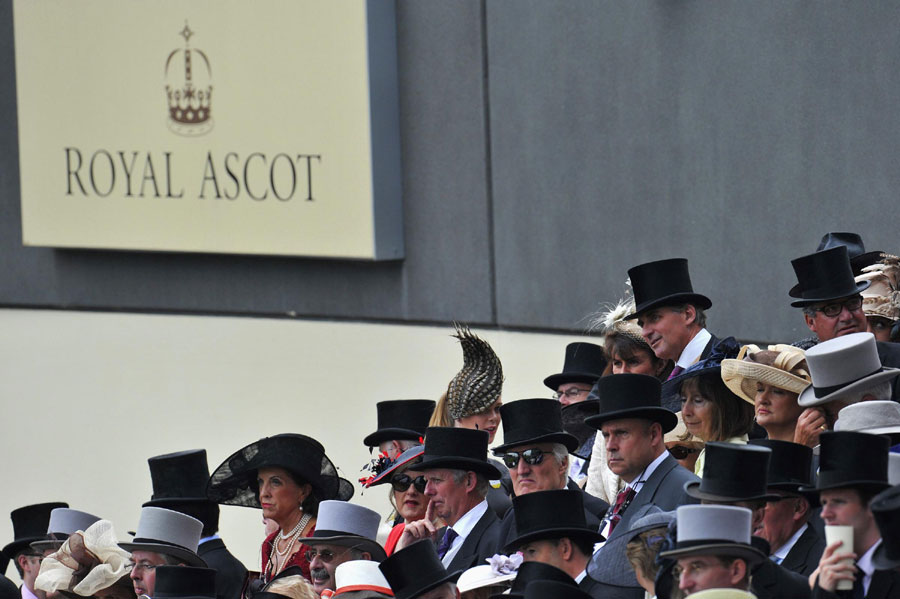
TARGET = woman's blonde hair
(294,587)
(441,414)
(641,551)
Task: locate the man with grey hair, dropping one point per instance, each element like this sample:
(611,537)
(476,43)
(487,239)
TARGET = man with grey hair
(536,451)
(457,474)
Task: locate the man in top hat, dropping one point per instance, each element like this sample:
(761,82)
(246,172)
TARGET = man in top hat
(633,425)
(736,475)
(416,572)
(793,543)
(401,425)
(713,548)
(532,571)
(552,529)
(886,509)
(856,249)
(63,522)
(179,483)
(163,538)
(29,525)
(831,299)
(536,451)
(844,370)
(174,582)
(457,474)
(344,532)
(360,579)
(852,470)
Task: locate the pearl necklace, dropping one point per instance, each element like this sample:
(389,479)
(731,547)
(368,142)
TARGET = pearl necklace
(300,524)
(293,536)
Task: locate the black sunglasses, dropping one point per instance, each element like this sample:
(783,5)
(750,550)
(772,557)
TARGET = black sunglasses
(680,452)
(532,456)
(401,483)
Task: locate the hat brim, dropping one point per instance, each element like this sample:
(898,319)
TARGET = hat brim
(188,557)
(389,434)
(554,533)
(170,501)
(11,549)
(457,463)
(665,417)
(693,489)
(796,291)
(409,594)
(555,380)
(807,397)
(562,438)
(361,543)
(46,544)
(701,301)
(749,553)
(735,372)
(395,468)
(875,486)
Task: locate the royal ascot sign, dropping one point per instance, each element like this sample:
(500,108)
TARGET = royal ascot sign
(225,126)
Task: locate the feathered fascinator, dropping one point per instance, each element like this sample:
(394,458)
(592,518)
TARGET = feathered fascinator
(611,320)
(882,298)
(478,385)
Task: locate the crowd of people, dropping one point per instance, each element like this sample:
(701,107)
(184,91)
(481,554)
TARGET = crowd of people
(670,463)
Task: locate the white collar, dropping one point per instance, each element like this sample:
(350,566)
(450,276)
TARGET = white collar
(865,564)
(782,551)
(462,528)
(26,592)
(691,352)
(637,485)
(581,576)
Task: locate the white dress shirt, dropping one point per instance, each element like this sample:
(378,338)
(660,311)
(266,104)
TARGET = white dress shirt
(691,352)
(463,527)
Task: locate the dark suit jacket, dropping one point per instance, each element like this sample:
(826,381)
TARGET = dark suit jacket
(598,590)
(480,544)
(230,573)
(771,581)
(885,585)
(889,354)
(803,558)
(592,507)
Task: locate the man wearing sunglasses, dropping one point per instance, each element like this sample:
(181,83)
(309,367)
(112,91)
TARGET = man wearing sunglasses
(344,532)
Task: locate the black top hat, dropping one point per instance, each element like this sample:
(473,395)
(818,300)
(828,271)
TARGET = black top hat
(457,448)
(584,363)
(824,276)
(29,525)
(733,472)
(528,421)
(234,481)
(529,572)
(184,582)
(416,569)
(549,589)
(663,283)
(851,459)
(631,396)
(886,508)
(856,249)
(790,466)
(402,419)
(550,515)
(178,477)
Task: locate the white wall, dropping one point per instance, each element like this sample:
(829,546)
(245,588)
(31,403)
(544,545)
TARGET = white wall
(88,397)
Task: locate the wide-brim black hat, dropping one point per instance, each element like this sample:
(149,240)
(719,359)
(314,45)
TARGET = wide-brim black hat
(856,249)
(457,449)
(29,525)
(824,276)
(530,421)
(848,459)
(184,582)
(529,572)
(631,396)
(790,466)
(663,283)
(234,481)
(416,569)
(406,459)
(401,419)
(179,478)
(733,472)
(584,363)
(550,515)
(886,509)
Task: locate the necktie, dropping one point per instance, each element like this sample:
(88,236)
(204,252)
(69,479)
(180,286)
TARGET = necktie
(675,372)
(858,590)
(623,498)
(776,559)
(446,542)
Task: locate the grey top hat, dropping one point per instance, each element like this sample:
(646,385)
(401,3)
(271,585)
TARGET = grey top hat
(877,417)
(348,525)
(714,530)
(64,522)
(843,366)
(168,532)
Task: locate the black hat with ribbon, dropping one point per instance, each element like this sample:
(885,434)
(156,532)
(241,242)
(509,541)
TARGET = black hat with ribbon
(551,515)
(415,570)
(529,421)
(458,449)
(401,419)
(824,276)
(584,363)
(733,472)
(631,396)
(848,459)
(663,283)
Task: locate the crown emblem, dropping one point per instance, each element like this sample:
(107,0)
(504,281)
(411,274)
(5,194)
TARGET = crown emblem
(189,88)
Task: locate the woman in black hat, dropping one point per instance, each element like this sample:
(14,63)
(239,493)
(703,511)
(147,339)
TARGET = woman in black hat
(287,476)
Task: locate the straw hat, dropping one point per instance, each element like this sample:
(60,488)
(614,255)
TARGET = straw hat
(882,298)
(500,569)
(787,371)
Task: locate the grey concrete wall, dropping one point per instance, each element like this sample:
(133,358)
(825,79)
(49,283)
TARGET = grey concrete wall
(549,146)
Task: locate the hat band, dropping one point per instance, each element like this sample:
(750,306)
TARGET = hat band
(848,478)
(823,391)
(146,541)
(364,587)
(325,533)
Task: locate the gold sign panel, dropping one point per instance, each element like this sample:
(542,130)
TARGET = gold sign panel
(264,127)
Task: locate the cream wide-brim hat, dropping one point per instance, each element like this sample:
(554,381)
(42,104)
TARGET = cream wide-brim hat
(721,594)
(741,375)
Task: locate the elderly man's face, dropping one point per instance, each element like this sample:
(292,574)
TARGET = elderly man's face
(449,499)
(143,573)
(845,321)
(782,519)
(667,330)
(547,475)
(325,558)
(629,446)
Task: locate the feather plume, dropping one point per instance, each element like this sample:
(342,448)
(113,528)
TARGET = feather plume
(480,381)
